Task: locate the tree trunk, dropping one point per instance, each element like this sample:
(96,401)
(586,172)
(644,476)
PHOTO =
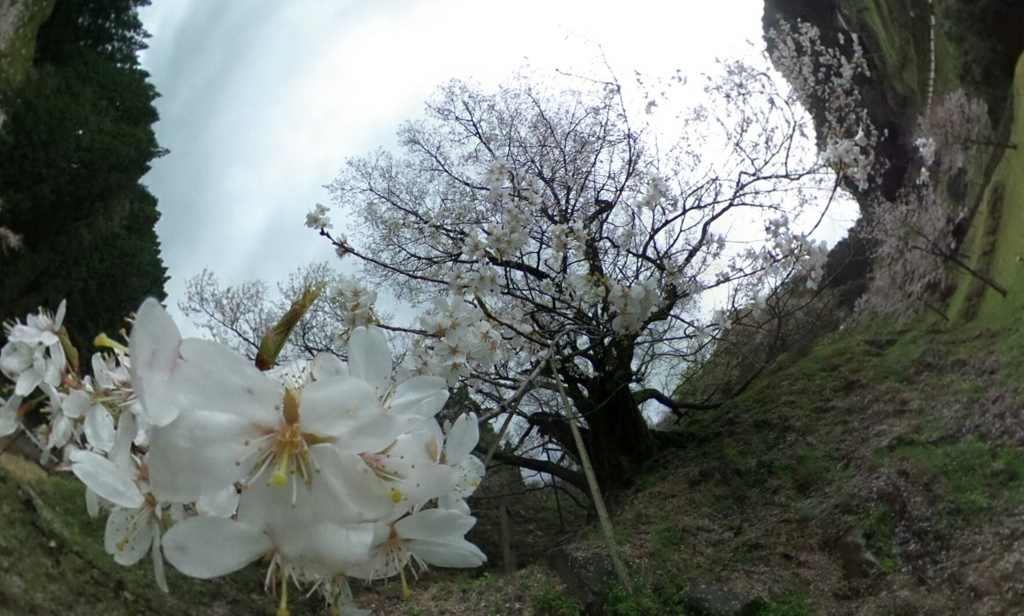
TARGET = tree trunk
(616,434)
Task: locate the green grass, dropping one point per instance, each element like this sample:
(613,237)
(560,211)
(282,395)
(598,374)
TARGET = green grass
(787,605)
(1008,251)
(52,561)
(975,478)
(948,58)
(556,602)
(666,541)
(16,56)
(646,600)
(806,469)
(879,537)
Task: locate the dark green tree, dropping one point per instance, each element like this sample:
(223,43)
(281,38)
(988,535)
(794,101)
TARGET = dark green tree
(104,266)
(77,139)
(111,28)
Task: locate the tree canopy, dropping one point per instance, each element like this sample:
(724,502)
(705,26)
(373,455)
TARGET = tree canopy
(561,239)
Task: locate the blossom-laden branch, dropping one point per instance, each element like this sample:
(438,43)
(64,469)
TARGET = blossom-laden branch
(203,460)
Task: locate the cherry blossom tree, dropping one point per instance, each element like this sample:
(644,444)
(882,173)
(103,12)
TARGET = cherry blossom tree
(918,236)
(561,240)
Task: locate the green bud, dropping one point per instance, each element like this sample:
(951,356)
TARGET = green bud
(277,336)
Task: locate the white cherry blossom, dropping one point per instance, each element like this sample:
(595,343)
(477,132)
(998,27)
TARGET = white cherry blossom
(461,438)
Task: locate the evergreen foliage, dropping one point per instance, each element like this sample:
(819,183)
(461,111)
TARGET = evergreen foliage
(111,28)
(77,139)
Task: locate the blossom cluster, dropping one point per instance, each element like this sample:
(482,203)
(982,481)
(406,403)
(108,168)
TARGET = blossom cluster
(356,303)
(506,237)
(949,130)
(851,158)
(787,254)
(317,218)
(328,469)
(633,304)
(826,77)
(459,340)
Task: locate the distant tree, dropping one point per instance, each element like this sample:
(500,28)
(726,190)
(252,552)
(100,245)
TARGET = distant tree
(111,28)
(240,315)
(917,238)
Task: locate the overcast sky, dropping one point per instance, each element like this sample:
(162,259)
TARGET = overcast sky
(263,100)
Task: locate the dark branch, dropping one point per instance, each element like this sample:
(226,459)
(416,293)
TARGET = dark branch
(573,478)
(650,393)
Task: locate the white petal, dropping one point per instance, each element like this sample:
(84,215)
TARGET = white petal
(55,367)
(420,396)
(27,382)
(77,404)
(214,377)
(121,451)
(154,346)
(99,428)
(205,547)
(328,366)
(439,524)
(221,504)
(200,452)
(450,501)
(58,318)
(158,563)
(92,503)
(9,415)
(332,549)
(369,358)
(61,431)
(128,536)
(106,479)
(456,553)
(349,410)
(462,438)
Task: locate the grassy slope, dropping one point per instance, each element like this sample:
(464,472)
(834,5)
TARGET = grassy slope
(52,561)
(1004,199)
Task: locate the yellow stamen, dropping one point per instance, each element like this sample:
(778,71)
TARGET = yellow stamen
(282,609)
(395,495)
(406,591)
